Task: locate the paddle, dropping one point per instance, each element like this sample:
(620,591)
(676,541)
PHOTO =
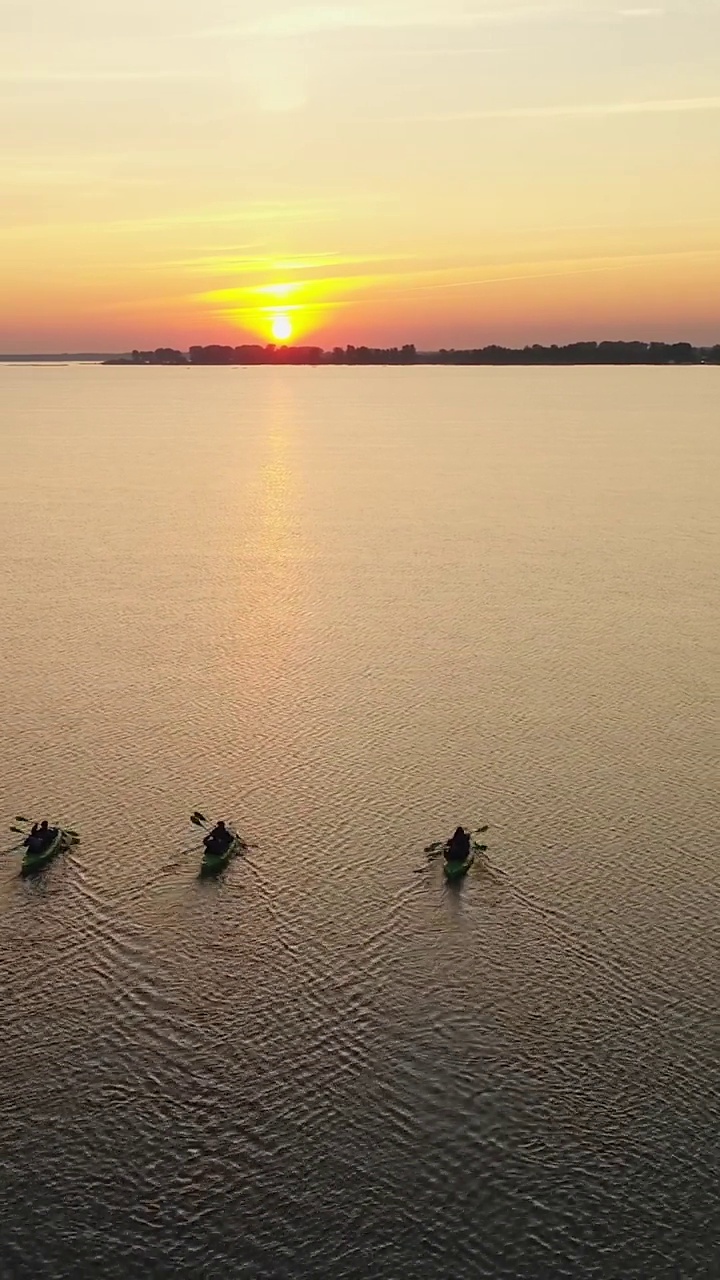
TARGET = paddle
(439,846)
(19,848)
(198,819)
(68,831)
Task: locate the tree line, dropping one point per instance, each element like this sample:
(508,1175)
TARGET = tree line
(580,353)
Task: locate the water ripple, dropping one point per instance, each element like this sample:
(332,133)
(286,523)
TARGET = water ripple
(349,612)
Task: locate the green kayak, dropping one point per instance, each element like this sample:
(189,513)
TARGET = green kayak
(213,863)
(36,861)
(456,870)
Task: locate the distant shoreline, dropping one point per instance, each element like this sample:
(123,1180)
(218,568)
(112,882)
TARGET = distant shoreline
(54,357)
(575,353)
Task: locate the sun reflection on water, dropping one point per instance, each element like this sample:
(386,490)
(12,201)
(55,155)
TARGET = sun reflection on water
(272,557)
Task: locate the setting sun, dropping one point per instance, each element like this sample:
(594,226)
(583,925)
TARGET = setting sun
(281,328)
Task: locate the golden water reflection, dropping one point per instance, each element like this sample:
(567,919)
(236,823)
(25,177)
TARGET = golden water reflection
(269,558)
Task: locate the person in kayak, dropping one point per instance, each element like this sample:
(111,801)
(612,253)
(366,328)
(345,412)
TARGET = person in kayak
(457,848)
(218,839)
(40,838)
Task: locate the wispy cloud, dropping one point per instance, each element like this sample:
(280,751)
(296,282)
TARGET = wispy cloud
(435,51)
(567,267)
(318,211)
(251,300)
(662,106)
(40,77)
(317,19)
(263,264)
(301,295)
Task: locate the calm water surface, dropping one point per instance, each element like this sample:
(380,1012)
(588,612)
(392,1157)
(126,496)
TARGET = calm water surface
(350,609)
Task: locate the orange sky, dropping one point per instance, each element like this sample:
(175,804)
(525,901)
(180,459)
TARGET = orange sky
(448,173)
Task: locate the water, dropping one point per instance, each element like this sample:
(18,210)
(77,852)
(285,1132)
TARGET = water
(350,608)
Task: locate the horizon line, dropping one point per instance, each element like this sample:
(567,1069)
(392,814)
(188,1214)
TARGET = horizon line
(588,352)
(358,346)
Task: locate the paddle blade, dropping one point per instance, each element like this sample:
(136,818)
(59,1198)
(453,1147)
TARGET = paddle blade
(19,818)
(430,848)
(17,831)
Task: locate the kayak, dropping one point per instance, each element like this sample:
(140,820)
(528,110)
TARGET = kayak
(36,861)
(213,863)
(456,870)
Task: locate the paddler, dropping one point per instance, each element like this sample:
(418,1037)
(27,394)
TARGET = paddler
(219,838)
(457,848)
(40,838)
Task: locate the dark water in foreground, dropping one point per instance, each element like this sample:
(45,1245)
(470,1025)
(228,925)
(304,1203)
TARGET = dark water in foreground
(349,609)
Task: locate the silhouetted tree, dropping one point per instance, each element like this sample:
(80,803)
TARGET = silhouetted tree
(573,353)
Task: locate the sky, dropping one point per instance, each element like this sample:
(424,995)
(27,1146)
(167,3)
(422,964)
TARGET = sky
(444,172)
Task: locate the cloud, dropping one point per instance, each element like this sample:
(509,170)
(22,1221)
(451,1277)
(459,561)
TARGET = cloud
(310,20)
(349,290)
(249,264)
(89,77)
(316,210)
(570,267)
(599,110)
(302,293)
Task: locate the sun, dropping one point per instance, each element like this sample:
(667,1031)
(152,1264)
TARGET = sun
(281,328)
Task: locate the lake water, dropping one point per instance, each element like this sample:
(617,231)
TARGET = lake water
(350,609)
